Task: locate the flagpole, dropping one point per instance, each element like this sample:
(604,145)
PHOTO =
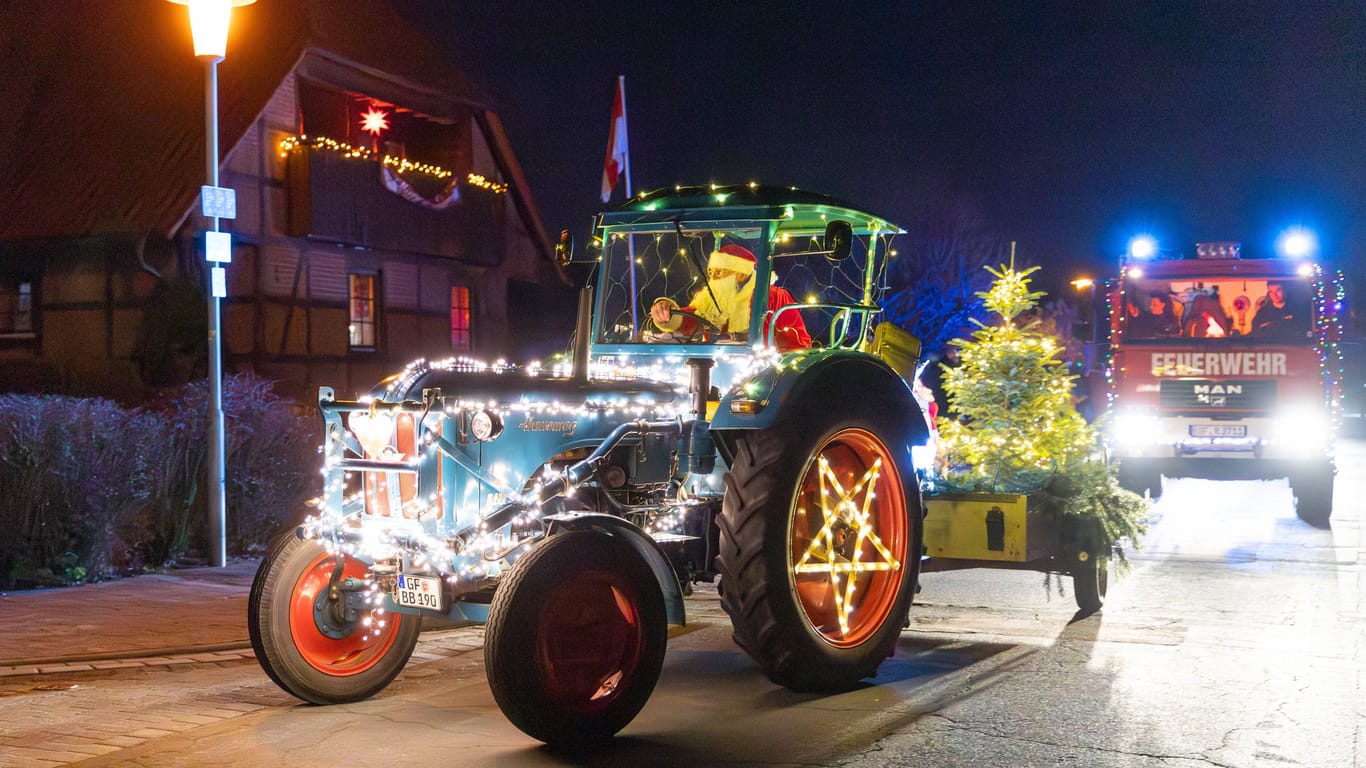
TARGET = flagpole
(630,241)
(621,83)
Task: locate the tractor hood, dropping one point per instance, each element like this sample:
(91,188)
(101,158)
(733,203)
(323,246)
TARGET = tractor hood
(509,385)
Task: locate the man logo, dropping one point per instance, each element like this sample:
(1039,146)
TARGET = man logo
(1218,389)
(1215,394)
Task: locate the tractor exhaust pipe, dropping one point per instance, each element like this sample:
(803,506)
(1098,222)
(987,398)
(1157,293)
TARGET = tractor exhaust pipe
(582,328)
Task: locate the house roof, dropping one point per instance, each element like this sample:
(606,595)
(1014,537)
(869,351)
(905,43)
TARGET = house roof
(105,128)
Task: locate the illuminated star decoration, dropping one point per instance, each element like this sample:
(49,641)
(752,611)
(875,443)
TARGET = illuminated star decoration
(374,121)
(824,555)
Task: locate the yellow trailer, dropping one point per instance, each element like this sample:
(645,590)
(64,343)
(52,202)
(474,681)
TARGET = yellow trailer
(1001,530)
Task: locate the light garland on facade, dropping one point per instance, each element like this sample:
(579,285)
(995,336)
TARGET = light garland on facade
(478,180)
(399,165)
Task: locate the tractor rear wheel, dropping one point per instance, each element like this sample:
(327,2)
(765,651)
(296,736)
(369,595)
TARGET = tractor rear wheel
(819,550)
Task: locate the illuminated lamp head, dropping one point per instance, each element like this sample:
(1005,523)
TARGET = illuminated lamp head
(1142,247)
(1297,243)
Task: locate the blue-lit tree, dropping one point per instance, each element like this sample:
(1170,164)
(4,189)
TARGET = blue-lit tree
(938,272)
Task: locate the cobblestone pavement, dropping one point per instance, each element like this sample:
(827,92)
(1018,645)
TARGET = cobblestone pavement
(122,704)
(150,618)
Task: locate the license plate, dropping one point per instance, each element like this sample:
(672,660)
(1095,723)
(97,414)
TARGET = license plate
(418,592)
(1218,430)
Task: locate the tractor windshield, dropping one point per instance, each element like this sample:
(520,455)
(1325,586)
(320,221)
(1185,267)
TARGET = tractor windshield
(734,305)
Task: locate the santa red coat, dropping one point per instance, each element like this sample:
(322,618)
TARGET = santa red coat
(791,331)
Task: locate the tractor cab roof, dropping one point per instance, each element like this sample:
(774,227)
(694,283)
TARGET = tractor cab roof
(796,210)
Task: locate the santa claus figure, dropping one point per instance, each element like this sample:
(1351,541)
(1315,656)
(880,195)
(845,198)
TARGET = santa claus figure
(726,300)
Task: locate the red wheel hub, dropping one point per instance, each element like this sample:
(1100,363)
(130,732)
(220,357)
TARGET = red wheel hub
(327,642)
(589,640)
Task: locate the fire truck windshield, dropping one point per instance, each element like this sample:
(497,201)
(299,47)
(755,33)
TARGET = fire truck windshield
(1270,309)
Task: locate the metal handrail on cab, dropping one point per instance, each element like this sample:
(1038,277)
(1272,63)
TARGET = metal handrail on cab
(842,321)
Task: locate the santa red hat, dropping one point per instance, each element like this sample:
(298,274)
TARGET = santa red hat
(731,256)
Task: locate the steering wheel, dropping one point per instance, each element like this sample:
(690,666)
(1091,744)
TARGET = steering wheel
(702,322)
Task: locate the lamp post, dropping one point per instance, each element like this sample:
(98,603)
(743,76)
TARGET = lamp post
(209,26)
(1092,321)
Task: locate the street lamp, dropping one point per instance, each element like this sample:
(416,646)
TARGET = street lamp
(1092,322)
(209,26)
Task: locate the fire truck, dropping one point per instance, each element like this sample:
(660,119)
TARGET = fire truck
(1225,367)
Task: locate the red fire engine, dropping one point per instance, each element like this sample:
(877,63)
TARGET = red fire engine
(1225,367)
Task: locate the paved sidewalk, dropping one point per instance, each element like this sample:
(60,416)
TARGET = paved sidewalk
(188,611)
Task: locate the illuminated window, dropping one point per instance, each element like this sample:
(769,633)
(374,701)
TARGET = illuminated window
(460,319)
(362,311)
(16,307)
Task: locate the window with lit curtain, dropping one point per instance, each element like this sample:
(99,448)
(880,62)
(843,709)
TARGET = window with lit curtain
(362,311)
(460,319)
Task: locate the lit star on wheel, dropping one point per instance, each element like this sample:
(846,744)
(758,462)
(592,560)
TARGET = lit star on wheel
(837,505)
(374,121)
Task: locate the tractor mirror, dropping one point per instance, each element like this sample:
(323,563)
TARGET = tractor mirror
(564,250)
(839,239)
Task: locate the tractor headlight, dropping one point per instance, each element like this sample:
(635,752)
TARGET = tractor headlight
(485,426)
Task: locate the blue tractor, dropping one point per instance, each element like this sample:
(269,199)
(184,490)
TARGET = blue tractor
(572,506)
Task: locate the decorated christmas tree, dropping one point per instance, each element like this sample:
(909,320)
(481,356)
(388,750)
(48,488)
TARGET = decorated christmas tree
(1012,427)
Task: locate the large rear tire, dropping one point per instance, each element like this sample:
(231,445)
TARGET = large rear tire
(576,637)
(819,549)
(304,638)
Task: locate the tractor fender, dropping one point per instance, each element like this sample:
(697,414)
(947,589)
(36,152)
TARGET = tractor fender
(819,379)
(640,541)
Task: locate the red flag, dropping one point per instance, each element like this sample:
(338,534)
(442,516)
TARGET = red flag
(618,161)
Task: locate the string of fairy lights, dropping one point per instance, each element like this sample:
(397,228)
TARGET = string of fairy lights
(480,553)
(1330,297)
(400,165)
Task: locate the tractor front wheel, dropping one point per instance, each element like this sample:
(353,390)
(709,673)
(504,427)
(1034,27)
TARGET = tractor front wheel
(307,638)
(575,639)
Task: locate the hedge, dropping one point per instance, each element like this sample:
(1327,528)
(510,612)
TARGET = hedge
(90,489)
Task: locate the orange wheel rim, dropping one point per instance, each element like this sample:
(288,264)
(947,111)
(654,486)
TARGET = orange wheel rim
(327,642)
(850,536)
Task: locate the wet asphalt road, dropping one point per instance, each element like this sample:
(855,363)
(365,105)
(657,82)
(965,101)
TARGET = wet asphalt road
(1235,639)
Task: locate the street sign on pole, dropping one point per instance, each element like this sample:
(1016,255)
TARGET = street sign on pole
(220,283)
(218,247)
(218,202)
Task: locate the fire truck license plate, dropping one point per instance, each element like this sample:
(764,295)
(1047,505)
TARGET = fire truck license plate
(1218,430)
(418,592)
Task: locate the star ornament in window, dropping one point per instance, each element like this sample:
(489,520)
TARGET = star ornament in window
(374,121)
(839,550)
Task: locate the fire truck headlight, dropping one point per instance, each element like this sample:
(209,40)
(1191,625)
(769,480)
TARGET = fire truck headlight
(1305,431)
(1135,428)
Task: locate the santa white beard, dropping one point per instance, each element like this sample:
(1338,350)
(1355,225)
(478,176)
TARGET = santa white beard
(730,311)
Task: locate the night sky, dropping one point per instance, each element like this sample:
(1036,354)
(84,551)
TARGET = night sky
(1069,126)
